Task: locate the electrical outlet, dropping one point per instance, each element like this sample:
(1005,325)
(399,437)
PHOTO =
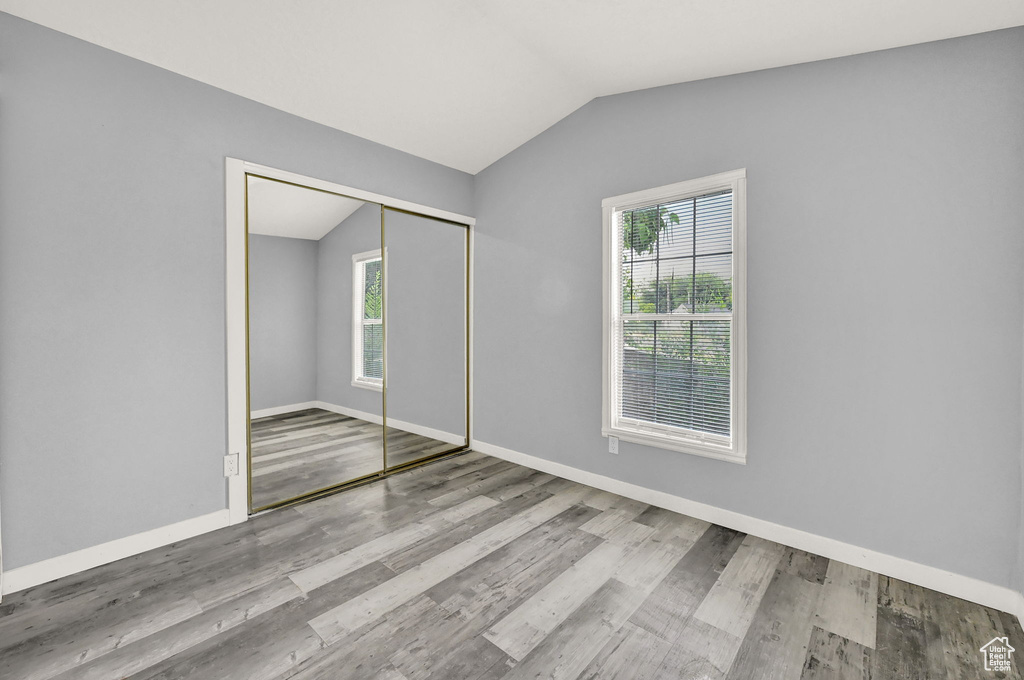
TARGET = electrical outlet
(613,444)
(231,465)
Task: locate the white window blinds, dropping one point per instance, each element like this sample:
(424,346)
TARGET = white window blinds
(672,321)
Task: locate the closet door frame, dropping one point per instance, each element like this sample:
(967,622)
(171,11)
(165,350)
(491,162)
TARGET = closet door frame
(236,455)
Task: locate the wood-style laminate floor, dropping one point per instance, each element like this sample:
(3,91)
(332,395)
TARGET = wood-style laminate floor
(297,453)
(477,568)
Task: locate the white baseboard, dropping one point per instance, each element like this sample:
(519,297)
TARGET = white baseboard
(421,430)
(64,565)
(278,410)
(351,412)
(965,587)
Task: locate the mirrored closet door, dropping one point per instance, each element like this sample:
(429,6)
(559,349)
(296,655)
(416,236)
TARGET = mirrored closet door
(357,340)
(426,375)
(311,427)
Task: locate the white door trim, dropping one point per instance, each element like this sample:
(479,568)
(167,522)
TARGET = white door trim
(236,332)
(235,267)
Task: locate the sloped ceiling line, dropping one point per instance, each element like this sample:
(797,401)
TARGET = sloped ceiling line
(464,82)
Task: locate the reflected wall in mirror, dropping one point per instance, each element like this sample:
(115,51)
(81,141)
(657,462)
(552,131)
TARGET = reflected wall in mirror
(425,330)
(313,425)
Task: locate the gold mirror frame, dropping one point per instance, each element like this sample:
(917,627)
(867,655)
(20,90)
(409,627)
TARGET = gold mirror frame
(385,471)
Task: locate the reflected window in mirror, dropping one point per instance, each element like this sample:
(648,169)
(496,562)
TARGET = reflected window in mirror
(367,327)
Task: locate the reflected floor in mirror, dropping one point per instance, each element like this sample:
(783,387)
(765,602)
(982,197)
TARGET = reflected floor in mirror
(297,453)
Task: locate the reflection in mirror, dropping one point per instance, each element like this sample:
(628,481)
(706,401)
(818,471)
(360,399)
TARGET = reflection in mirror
(425,332)
(316,422)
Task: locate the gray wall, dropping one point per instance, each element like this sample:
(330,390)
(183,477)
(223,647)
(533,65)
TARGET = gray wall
(885,235)
(282,321)
(112,390)
(1017,580)
(1018,575)
(359,233)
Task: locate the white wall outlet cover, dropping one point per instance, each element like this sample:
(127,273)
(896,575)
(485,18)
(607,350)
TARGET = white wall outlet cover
(613,444)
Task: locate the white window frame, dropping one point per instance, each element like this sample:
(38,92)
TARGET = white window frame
(359,261)
(734,448)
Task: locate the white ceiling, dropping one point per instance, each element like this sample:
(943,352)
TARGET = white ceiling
(463,82)
(277,209)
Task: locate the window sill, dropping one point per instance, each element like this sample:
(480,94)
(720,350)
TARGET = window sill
(367,385)
(676,444)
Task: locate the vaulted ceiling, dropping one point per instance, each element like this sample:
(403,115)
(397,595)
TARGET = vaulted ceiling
(463,82)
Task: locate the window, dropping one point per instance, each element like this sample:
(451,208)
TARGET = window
(367,318)
(674,337)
